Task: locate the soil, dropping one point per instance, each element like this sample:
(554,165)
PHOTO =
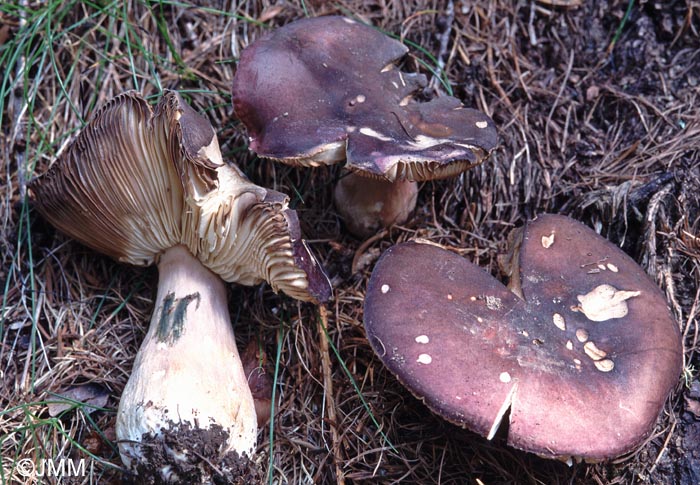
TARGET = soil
(200,459)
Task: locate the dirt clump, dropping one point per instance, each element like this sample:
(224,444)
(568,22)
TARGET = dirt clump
(183,455)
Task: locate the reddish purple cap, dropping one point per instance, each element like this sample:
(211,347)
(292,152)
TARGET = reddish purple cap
(326,89)
(583,363)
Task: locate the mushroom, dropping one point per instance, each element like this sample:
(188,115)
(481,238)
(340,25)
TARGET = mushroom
(254,362)
(321,90)
(580,354)
(149,186)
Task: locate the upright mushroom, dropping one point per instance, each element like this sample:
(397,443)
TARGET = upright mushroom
(580,354)
(147,187)
(321,90)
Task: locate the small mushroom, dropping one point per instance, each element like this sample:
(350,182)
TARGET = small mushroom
(254,362)
(146,187)
(589,389)
(322,90)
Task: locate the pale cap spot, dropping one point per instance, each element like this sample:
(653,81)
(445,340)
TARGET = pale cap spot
(569,345)
(481,124)
(582,334)
(592,351)
(547,241)
(385,288)
(605,302)
(504,377)
(605,365)
(422,339)
(613,268)
(559,321)
(424,359)
(373,134)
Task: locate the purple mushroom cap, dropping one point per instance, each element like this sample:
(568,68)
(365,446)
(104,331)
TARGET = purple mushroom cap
(326,89)
(581,351)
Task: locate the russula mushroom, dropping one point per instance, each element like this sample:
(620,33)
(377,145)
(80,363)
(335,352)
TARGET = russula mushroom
(321,90)
(580,354)
(149,186)
(254,362)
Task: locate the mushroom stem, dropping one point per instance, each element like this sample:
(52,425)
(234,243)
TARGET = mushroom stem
(368,204)
(187,376)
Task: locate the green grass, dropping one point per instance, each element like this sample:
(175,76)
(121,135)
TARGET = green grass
(46,57)
(46,436)
(621,26)
(355,386)
(281,333)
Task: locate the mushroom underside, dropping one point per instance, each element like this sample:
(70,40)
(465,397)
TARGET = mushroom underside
(138,181)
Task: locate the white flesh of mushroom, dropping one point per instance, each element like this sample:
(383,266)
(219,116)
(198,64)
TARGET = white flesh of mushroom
(131,187)
(188,369)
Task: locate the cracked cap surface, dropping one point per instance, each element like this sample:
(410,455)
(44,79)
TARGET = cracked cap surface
(326,89)
(474,350)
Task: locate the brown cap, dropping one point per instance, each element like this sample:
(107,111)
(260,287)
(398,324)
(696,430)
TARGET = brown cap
(136,182)
(326,89)
(583,364)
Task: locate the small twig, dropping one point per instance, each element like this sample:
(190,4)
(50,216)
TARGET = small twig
(328,390)
(18,141)
(569,67)
(444,41)
(363,247)
(492,76)
(636,100)
(402,125)
(664,447)
(438,226)
(208,462)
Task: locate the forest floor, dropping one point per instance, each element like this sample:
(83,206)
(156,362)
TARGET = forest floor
(597,105)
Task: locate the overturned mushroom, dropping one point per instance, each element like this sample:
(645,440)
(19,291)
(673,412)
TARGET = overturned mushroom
(322,90)
(475,352)
(147,187)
